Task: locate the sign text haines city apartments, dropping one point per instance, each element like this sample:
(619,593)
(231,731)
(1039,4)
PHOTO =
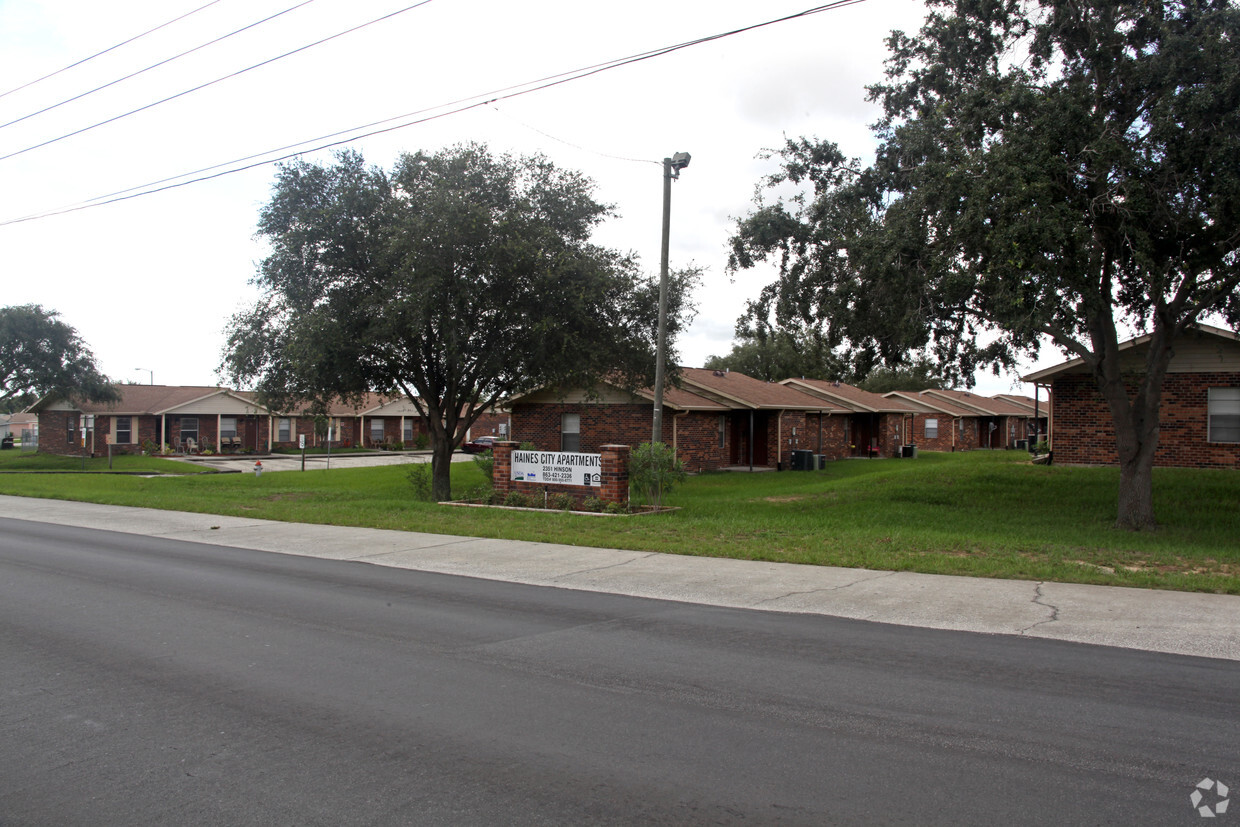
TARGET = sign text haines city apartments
(553,468)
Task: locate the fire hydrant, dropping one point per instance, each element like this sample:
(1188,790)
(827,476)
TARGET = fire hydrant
(258,468)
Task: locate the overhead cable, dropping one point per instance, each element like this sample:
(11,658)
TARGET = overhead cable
(105,51)
(157,65)
(456,107)
(202,86)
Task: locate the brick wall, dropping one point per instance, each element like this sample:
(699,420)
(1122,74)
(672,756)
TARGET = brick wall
(488,424)
(696,432)
(1083,433)
(613,484)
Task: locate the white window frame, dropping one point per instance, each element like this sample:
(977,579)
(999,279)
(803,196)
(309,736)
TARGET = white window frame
(570,440)
(406,430)
(189,435)
(226,432)
(931,427)
(1223,403)
(284,429)
(377,434)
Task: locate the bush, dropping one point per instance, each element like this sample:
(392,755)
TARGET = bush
(591,504)
(654,471)
(475,493)
(562,502)
(421,442)
(420,478)
(486,464)
(518,499)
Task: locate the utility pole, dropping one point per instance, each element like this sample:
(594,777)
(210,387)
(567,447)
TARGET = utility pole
(671,169)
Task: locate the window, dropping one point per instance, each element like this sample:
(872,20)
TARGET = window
(407,429)
(71,426)
(124,430)
(283,431)
(570,433)
(1223,409)
(228,427)
(376,430)
(723,428)
(189,428)
(932,428)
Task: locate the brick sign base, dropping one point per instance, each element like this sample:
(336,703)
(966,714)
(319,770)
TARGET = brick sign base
(614,476)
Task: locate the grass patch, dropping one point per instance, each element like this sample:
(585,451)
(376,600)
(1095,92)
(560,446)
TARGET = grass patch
(30,462)
(982,513)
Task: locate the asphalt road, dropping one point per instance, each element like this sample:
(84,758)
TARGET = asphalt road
(147,681)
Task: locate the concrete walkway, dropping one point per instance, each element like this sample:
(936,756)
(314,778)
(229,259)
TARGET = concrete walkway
(1204,625)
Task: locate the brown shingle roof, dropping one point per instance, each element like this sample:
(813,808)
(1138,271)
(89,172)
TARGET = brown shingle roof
(852,398)
(933,403)
(986,405)
(740,391)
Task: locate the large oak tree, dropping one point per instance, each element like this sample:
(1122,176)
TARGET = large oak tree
(456,279)
(40,354)
(1062,171)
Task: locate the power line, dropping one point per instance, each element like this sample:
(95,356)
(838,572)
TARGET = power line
(157,65)
(105,51)
(213,82)
(417,117)
(498,111)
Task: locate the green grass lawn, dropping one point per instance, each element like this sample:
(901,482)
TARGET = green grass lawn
(982,513)
(17,461)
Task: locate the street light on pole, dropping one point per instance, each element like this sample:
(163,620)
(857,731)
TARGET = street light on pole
(671,169)
(148,370)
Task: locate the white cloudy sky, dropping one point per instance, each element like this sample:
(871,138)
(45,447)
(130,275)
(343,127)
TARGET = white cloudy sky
(149,282)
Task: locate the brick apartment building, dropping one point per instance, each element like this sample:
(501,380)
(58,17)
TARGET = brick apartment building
(1199,418)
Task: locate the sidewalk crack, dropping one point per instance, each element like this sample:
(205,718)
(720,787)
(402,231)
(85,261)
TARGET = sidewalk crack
(786,595)
(1037,600)
(611,566)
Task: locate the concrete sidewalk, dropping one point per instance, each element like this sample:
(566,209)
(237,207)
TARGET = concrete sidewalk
(1204,625)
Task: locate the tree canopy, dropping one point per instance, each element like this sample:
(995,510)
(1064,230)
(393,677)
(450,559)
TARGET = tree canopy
(773,355)
(40,354)
(1046,171)
(456,279)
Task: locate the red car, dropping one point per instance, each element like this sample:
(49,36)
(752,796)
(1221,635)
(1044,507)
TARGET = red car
(477,446)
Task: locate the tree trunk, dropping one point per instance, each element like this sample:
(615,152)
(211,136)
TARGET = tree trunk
(1136,492)
(1135,416)
(441,469)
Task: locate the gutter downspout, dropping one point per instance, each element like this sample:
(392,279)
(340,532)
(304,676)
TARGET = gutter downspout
(751,440)
(779,441)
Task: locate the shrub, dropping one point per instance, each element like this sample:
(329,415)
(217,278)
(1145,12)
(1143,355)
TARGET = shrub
(591,504)
(562,502)
(518,499)
(475,493)
(486,464)
(422,441)
(654,471)
(420,478)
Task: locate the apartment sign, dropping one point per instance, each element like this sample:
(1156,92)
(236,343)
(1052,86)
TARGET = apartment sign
(550,468)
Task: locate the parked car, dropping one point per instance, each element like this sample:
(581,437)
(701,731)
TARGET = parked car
(477,446)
